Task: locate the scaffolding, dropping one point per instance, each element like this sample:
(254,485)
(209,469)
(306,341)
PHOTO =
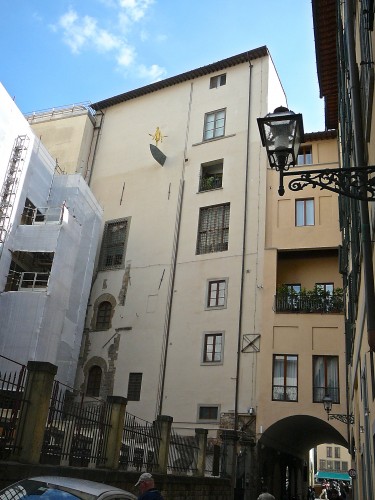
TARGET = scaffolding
(10,185)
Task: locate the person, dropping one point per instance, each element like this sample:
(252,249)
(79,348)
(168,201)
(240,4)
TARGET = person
(310,493)
(147,488)
(324,490)
(335,494)
(265,495)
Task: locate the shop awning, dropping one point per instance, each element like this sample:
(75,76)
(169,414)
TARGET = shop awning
(339,476)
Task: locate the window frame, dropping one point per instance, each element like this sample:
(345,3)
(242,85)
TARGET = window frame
(211,175)
(333,392)
(213,281)
(103,321)
(134,386)
(215,128)
(94,381)
(205,337)
(205,419)
(305,156)
(305,212)
(107,245)
(285,398)
(218,81)
(219,233)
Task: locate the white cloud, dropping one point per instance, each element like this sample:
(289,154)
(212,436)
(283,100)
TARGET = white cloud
(153,73)
(84,33)
(135,9)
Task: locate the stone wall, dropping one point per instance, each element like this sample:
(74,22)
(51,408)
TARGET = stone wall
(172,487)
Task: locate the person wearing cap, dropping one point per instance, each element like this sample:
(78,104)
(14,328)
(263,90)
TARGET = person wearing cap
(147,488)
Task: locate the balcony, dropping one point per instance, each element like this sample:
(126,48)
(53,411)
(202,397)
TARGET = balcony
(309,301)
(208,182)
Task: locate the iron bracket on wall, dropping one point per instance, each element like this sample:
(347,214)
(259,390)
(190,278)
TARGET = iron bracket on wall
(353,182)
(345,419)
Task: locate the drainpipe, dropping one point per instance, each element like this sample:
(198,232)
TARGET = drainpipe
(360,161)
(234,462)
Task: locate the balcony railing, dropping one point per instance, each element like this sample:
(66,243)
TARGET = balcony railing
(210,182)
(309,302)
(320,392)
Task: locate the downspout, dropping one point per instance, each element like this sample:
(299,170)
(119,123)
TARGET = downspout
(243,259)
(360,161)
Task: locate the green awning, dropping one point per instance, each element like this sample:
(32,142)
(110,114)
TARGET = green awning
(339,476)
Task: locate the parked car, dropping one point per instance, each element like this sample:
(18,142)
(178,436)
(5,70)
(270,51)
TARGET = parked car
(62,488)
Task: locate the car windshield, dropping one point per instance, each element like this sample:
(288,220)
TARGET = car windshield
(38,490)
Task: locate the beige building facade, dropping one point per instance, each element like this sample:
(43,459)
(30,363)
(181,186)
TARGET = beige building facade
(214,300)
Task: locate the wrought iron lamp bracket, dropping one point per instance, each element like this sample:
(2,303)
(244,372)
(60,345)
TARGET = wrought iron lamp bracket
(351,182)
(345,419)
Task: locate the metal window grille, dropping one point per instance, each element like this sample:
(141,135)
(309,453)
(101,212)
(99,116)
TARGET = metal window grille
(103,318)
(213,229)
(134,386)
(113,244)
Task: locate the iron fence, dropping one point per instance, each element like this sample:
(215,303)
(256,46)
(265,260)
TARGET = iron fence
(12,387)
(77,431)
(140,444)
(213,458)
(182,454)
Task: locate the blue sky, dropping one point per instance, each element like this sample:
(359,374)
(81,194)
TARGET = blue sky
(60,52)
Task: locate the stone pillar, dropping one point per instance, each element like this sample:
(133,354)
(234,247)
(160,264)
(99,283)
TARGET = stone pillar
(114,441)
(201,438)
(163,426)
(34,413)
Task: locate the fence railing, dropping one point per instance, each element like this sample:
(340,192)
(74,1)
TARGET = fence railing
(70,429)
(76,432)
(140,444)
(183,453)
(12,385)
(309,303)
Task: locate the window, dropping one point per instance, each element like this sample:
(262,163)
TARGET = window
(326,288)
(209,413)
(94,380)
(304,155)
(214,124)
(213,348)
(284,387)
(329,451)
(326,378)
(329,465)
(216,294)
(337,452)
(104,314)
(322,464)
(305,212)
(218,81)
(344,466)
(134,386)
(213,229)
(336,465)
(211,175)
(113,244)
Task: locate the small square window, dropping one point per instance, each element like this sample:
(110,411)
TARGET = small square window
(213,348)
(305,212)
(218,81)
(211,176)
(134,386)
(208,413)
(214,125)
(304,155)
(216,294)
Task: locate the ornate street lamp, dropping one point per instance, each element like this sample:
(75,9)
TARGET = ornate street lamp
(327,403)
(281,133)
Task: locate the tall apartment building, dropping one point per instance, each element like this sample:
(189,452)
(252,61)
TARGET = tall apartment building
(344,39)
(49,230)
(214,300)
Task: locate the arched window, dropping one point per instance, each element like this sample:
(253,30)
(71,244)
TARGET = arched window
(93,381)
(103,318)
